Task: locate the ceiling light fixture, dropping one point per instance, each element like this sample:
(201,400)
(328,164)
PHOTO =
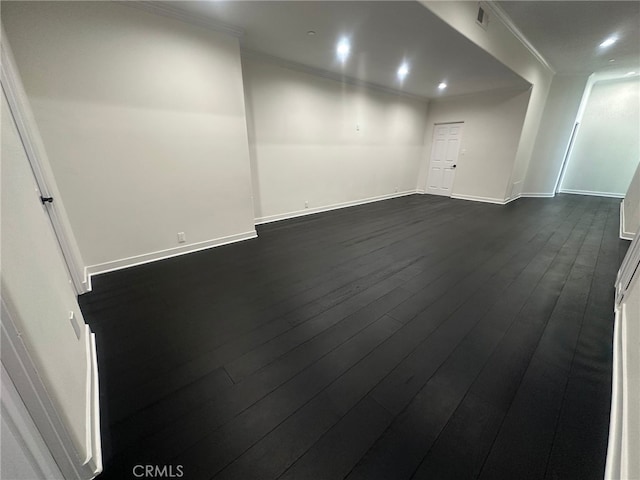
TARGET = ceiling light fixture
(632,73)
(311,33)
(442,86)
(403,71)
(343,49)
(608,42)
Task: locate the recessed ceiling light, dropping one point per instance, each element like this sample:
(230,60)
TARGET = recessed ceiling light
(343,49)
(403,71)
(442,86)
(611,60)
(311,33)
(608,42)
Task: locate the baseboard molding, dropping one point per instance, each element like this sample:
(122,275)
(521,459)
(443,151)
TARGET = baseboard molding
(624,235)
(496,201)
(593,193)
(128,262)
(22,370)
(94,463)
(327,208)
(537,195)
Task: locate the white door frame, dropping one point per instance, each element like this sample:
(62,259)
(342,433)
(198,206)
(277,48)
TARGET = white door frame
(435,125)
(30,136)
(565,159)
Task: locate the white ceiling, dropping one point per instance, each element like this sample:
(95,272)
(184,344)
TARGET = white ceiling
(382,34)
(568,33)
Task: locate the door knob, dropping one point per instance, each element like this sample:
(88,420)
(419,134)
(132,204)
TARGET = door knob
(453,166)
(46,200)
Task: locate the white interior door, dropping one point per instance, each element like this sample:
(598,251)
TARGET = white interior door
(444,157)
(22,118)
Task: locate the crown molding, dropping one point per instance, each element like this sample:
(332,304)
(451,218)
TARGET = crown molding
(162,8)
(508,22)
(247,53)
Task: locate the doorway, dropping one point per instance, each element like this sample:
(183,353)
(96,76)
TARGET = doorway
(17,103)
(444,158)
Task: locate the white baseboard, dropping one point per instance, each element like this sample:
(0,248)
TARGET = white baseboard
(336,206)
(496,201)
(537,195)
(93,462)
(105,267)
(624,235)
(592,193)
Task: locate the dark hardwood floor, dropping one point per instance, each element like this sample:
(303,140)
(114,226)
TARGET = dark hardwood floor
(420,337)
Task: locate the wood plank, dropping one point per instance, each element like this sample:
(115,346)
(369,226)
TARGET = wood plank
(418,337)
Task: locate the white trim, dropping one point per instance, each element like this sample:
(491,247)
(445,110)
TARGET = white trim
(574,132)
(497,201)
(567,154)
(508,22)
(624,235)
(247,53)
(162,8)
(24,375)
(537,195)
(628,269)
(88,413)
(336,206)
(113,265)
(95,461)
(34,149)
(614,445)
(621,460)
(592,193)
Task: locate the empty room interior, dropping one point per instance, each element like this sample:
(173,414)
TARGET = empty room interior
(320,240)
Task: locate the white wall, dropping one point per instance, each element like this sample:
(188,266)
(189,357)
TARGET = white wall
(623,460)
(306,146)
(492,127)
(554,134)
(499,41)
(142,117)
(606,151)
(36,289)
(630,221)
(24,455)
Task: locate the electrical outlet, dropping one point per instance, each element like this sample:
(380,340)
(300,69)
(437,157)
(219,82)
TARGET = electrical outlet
(74,324)
(306,204)
(181,237)
(396,189)
(357,127)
